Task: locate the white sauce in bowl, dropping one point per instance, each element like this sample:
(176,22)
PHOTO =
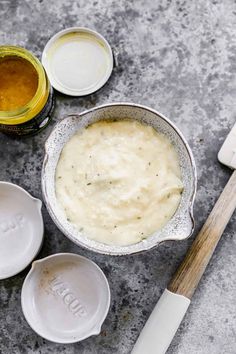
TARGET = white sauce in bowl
(118,182)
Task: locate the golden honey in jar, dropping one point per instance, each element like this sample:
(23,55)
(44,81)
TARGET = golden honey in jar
(26,98)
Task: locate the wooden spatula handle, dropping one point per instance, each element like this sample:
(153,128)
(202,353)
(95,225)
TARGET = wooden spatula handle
(190,271)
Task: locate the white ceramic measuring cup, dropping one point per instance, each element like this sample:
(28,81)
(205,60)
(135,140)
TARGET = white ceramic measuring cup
(21,229)
(65,298)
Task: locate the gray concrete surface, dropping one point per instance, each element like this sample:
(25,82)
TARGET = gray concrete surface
(178,57)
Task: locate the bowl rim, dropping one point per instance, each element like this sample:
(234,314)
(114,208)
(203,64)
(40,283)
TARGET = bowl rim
(189,208)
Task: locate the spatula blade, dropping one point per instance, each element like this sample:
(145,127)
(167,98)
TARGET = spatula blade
(227,153)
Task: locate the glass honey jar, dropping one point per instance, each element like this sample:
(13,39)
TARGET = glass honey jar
(26,97)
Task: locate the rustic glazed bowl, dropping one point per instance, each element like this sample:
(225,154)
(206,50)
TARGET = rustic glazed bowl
(179,227)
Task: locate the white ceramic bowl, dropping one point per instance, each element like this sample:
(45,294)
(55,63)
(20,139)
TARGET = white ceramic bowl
(179,227)
(21,229)
(65,298)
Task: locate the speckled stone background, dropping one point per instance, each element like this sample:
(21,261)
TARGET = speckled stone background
(178,57)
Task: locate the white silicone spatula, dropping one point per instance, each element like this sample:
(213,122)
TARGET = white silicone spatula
(167,315)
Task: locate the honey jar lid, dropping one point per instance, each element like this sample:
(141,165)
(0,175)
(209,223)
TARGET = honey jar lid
(78,61)
(65,298)
(21,229)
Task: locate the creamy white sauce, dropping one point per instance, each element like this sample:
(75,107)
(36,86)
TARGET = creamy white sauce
(118,182)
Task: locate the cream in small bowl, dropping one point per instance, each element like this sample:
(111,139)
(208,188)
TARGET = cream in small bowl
(179,226)
(118,181)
